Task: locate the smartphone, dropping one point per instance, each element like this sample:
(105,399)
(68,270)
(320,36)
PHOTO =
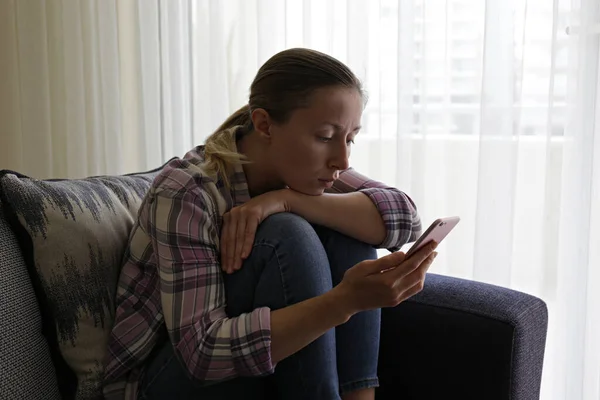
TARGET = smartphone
(437,231)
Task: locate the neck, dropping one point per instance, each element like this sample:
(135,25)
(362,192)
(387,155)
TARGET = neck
(259,174)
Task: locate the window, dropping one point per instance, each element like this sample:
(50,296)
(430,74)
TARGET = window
(448,46)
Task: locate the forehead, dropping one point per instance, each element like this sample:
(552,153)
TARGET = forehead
(339,105)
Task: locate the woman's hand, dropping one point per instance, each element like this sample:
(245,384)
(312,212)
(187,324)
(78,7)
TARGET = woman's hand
(240,224)
(384,282)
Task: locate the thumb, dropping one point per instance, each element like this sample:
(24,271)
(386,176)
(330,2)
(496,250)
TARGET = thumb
(383,263)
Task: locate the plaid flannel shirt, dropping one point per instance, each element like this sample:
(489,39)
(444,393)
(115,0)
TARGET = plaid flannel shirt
(172,279)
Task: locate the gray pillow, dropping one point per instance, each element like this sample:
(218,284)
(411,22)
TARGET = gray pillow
(74,234)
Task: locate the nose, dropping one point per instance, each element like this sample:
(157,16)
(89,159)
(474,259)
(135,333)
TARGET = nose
(339,160)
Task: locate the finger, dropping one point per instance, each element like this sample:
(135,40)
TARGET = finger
(414,289)
(416,282)
(251,227)
(414,261)
(239,243)
(425,251)
(382,264)
(419,273)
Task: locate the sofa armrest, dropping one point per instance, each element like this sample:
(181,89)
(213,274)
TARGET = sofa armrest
(26,368)
(460,339)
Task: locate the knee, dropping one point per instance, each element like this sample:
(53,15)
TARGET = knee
(292,240)
(287,227)
(291,258)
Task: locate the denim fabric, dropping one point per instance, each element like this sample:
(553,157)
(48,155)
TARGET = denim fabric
(291,261)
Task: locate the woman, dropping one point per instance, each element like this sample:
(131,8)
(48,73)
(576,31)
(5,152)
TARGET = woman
(251,249)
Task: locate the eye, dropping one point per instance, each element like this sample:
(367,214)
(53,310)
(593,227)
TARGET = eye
(324,139)
(350,141)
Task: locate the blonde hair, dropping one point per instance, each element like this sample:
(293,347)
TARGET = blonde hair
(283,84)
(220,153)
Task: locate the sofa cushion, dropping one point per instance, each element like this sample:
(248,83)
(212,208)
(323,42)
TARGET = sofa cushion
(23,375)
(73,234)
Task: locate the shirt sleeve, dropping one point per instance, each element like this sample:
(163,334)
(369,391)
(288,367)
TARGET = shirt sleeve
(211,345)
(399,212)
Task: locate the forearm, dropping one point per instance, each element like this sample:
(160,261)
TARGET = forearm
(296,326)
(352,214)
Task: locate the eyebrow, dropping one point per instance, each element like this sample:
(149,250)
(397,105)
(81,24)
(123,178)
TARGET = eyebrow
(338,127)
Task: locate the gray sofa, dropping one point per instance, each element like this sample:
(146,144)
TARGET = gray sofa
(457,339)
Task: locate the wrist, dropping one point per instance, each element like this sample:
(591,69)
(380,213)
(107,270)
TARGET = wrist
(339,302)
(289,199)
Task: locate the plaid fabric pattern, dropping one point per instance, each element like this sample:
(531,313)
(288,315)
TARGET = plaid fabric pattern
(172,279)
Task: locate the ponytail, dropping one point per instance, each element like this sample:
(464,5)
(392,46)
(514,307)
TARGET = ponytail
(220,152)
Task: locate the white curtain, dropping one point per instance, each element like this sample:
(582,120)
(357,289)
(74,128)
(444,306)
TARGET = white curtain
(485,109)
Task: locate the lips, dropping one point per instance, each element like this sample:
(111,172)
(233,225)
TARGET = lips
(327,183)
(330,179)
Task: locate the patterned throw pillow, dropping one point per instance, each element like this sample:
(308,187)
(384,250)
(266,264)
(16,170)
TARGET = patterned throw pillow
(73,234)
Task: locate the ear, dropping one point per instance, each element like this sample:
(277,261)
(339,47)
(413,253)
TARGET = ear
(262,123)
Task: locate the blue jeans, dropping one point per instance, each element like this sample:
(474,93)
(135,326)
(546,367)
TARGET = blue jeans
(291,261)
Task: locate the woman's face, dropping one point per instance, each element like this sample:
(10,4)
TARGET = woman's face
(313,146)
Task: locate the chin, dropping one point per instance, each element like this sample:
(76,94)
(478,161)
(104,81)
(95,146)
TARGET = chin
(316,192)
(307,190)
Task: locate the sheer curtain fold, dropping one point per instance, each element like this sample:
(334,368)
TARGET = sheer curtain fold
(485,109)
(10,96)
(497,146)
(578,282)
(62,98)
